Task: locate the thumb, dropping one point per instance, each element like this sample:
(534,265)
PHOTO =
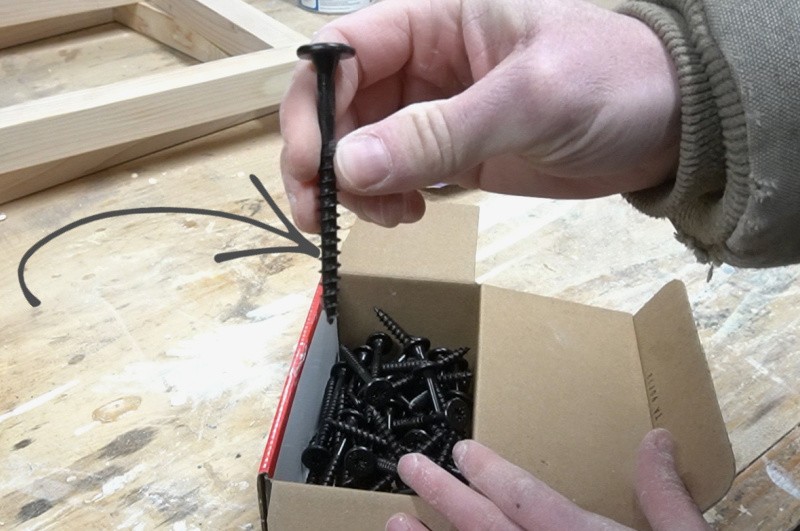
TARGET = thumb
(420,145)
(662,495)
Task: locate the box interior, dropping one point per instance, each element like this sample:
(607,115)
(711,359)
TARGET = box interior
(302,421)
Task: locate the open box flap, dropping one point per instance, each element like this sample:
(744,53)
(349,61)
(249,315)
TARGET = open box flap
(681,393)
(441,246)
(559,392)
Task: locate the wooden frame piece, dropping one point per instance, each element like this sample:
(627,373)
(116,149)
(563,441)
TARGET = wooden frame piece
(247,61)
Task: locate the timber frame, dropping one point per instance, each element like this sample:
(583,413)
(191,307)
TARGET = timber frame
(246,61)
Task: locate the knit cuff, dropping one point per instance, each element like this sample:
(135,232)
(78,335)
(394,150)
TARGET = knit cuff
(709,194)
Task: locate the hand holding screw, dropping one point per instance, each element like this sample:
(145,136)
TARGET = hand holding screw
(325,56)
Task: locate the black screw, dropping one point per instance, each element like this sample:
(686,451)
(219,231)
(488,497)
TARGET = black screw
(325,56)
(391,325)
(457,413)
(444,357)
(358,433)
(394,409)
(350,420)
(380,343)
(317,455)
(420,401)
(360,462)
(375,391)
(402,366)
(402,381)
(456,378)
(427,447)
(417,421)
(415,439)
(387,466)
(460,394)
(419,346)
(381,425)
(383,483)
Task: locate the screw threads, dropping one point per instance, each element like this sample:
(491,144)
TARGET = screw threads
(354,364)
(401,366)
(450,357)
(328,230)
(454,377)
(382,427)
(329,476)
(447,449)
(399,334)
(336,410)
(329,406)
(386,465)
(404,380)
(328,396)
(431,443)
(417,421)
(358,433)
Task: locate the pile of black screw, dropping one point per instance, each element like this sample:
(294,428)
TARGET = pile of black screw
(384,400)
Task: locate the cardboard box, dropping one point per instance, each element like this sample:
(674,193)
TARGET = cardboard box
(564,390)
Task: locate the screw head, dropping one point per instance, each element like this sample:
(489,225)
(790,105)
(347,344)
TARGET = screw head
(363,354)
(417,346)
(381,343)
(325,49)
(395,405)
(352,416)
(316,457)
(457,413)
(377,392)
(338,369)
(462,395)
(438,353)
(360,462)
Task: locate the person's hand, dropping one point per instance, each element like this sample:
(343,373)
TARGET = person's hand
(505,497)
(551,98)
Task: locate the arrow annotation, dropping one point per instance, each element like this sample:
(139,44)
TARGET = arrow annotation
(303,246)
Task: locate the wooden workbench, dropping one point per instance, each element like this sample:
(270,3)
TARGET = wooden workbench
(139,394)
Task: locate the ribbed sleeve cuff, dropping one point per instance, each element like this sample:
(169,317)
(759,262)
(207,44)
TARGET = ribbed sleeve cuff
(708,196)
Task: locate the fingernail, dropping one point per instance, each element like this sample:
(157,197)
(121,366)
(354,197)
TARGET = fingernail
(322,35)
(407,463)
(664,442)
(362,161)
(459,451)
(398,522)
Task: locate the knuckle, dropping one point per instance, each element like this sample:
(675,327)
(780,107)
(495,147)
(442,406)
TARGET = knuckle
(433,137)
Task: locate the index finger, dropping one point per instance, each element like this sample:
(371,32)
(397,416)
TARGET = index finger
(403,36)
(391,36)
(521,497)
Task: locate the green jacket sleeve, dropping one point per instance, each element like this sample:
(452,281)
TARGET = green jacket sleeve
(736,195)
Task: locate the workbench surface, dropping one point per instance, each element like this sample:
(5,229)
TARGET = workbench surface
(140,392)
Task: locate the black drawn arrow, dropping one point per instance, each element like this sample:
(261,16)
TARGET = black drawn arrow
(303,246)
